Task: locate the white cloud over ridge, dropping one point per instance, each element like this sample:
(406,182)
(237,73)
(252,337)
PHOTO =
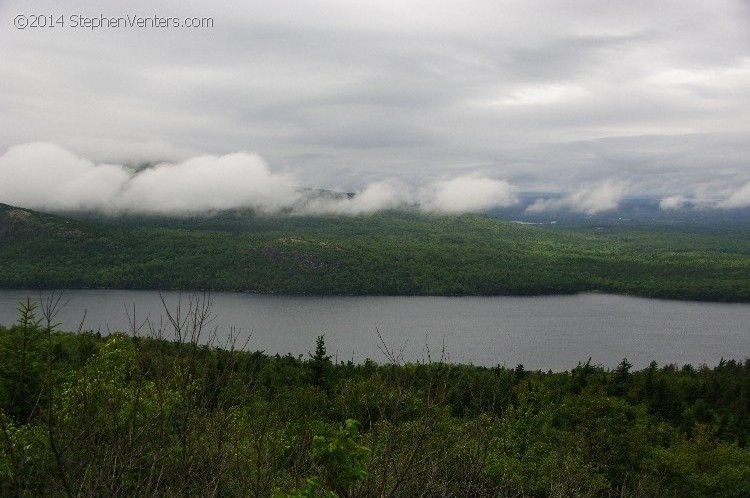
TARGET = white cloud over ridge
(740,198)
(673,202)
(377,196)
(726,197)
(48,177)
(589,199)
(467,193)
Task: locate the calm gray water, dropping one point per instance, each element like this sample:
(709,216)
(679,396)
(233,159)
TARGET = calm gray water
(551,332)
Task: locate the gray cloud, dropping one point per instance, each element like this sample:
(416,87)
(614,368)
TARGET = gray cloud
(344,94)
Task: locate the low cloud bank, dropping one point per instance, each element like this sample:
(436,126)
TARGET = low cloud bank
(590,199)
(48,177)
(740,198)
(731,198)
(467,193)
(674,203)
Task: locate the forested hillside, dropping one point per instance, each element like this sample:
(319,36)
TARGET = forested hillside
(395,253)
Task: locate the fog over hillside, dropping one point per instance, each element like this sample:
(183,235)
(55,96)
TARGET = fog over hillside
(48,177)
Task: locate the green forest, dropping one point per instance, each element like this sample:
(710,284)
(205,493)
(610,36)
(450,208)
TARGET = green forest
(132,414)
(393,253)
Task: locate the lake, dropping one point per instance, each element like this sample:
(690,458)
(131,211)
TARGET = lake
(548,332)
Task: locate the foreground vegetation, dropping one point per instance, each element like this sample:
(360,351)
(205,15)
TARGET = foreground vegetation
(127,415)
(397,253)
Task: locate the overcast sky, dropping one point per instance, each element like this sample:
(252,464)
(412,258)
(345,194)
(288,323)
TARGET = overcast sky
(629,98)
